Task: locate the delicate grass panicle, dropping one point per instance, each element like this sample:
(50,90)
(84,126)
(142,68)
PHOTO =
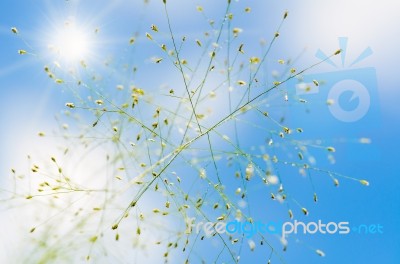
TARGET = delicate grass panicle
(140,165)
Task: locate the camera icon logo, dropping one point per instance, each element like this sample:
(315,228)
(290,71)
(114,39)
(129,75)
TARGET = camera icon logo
(351,94)
(359,92)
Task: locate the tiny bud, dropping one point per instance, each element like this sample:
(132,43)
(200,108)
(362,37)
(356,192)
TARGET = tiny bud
(320,253)
(241,83)
(331,149)
(290,214)
(364,182)
(285,14)
(305,212)
(154,28)
(336,182)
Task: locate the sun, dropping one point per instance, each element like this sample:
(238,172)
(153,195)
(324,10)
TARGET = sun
(71,43)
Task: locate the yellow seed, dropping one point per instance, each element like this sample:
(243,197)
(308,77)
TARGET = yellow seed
(154,28)
(220,218)
(199,8)
(305,212)
(254,60)
(287,130)
(247,10)
(331,149)
(330,102)
(241,83)
(249,171)
(285,14)
(59,81)
(14,30)
(157,60)
(238,191)
(336,182)
(149,36)
(338,52)
(236,31)
(316,83)
(131,40)
(198,42)
(22,52)
(364,182)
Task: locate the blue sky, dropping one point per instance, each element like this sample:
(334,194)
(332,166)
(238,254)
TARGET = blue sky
(28,100)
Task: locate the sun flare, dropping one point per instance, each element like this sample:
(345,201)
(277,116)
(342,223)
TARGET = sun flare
(71,43)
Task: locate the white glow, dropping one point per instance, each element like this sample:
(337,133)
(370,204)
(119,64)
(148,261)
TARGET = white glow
(71,43)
